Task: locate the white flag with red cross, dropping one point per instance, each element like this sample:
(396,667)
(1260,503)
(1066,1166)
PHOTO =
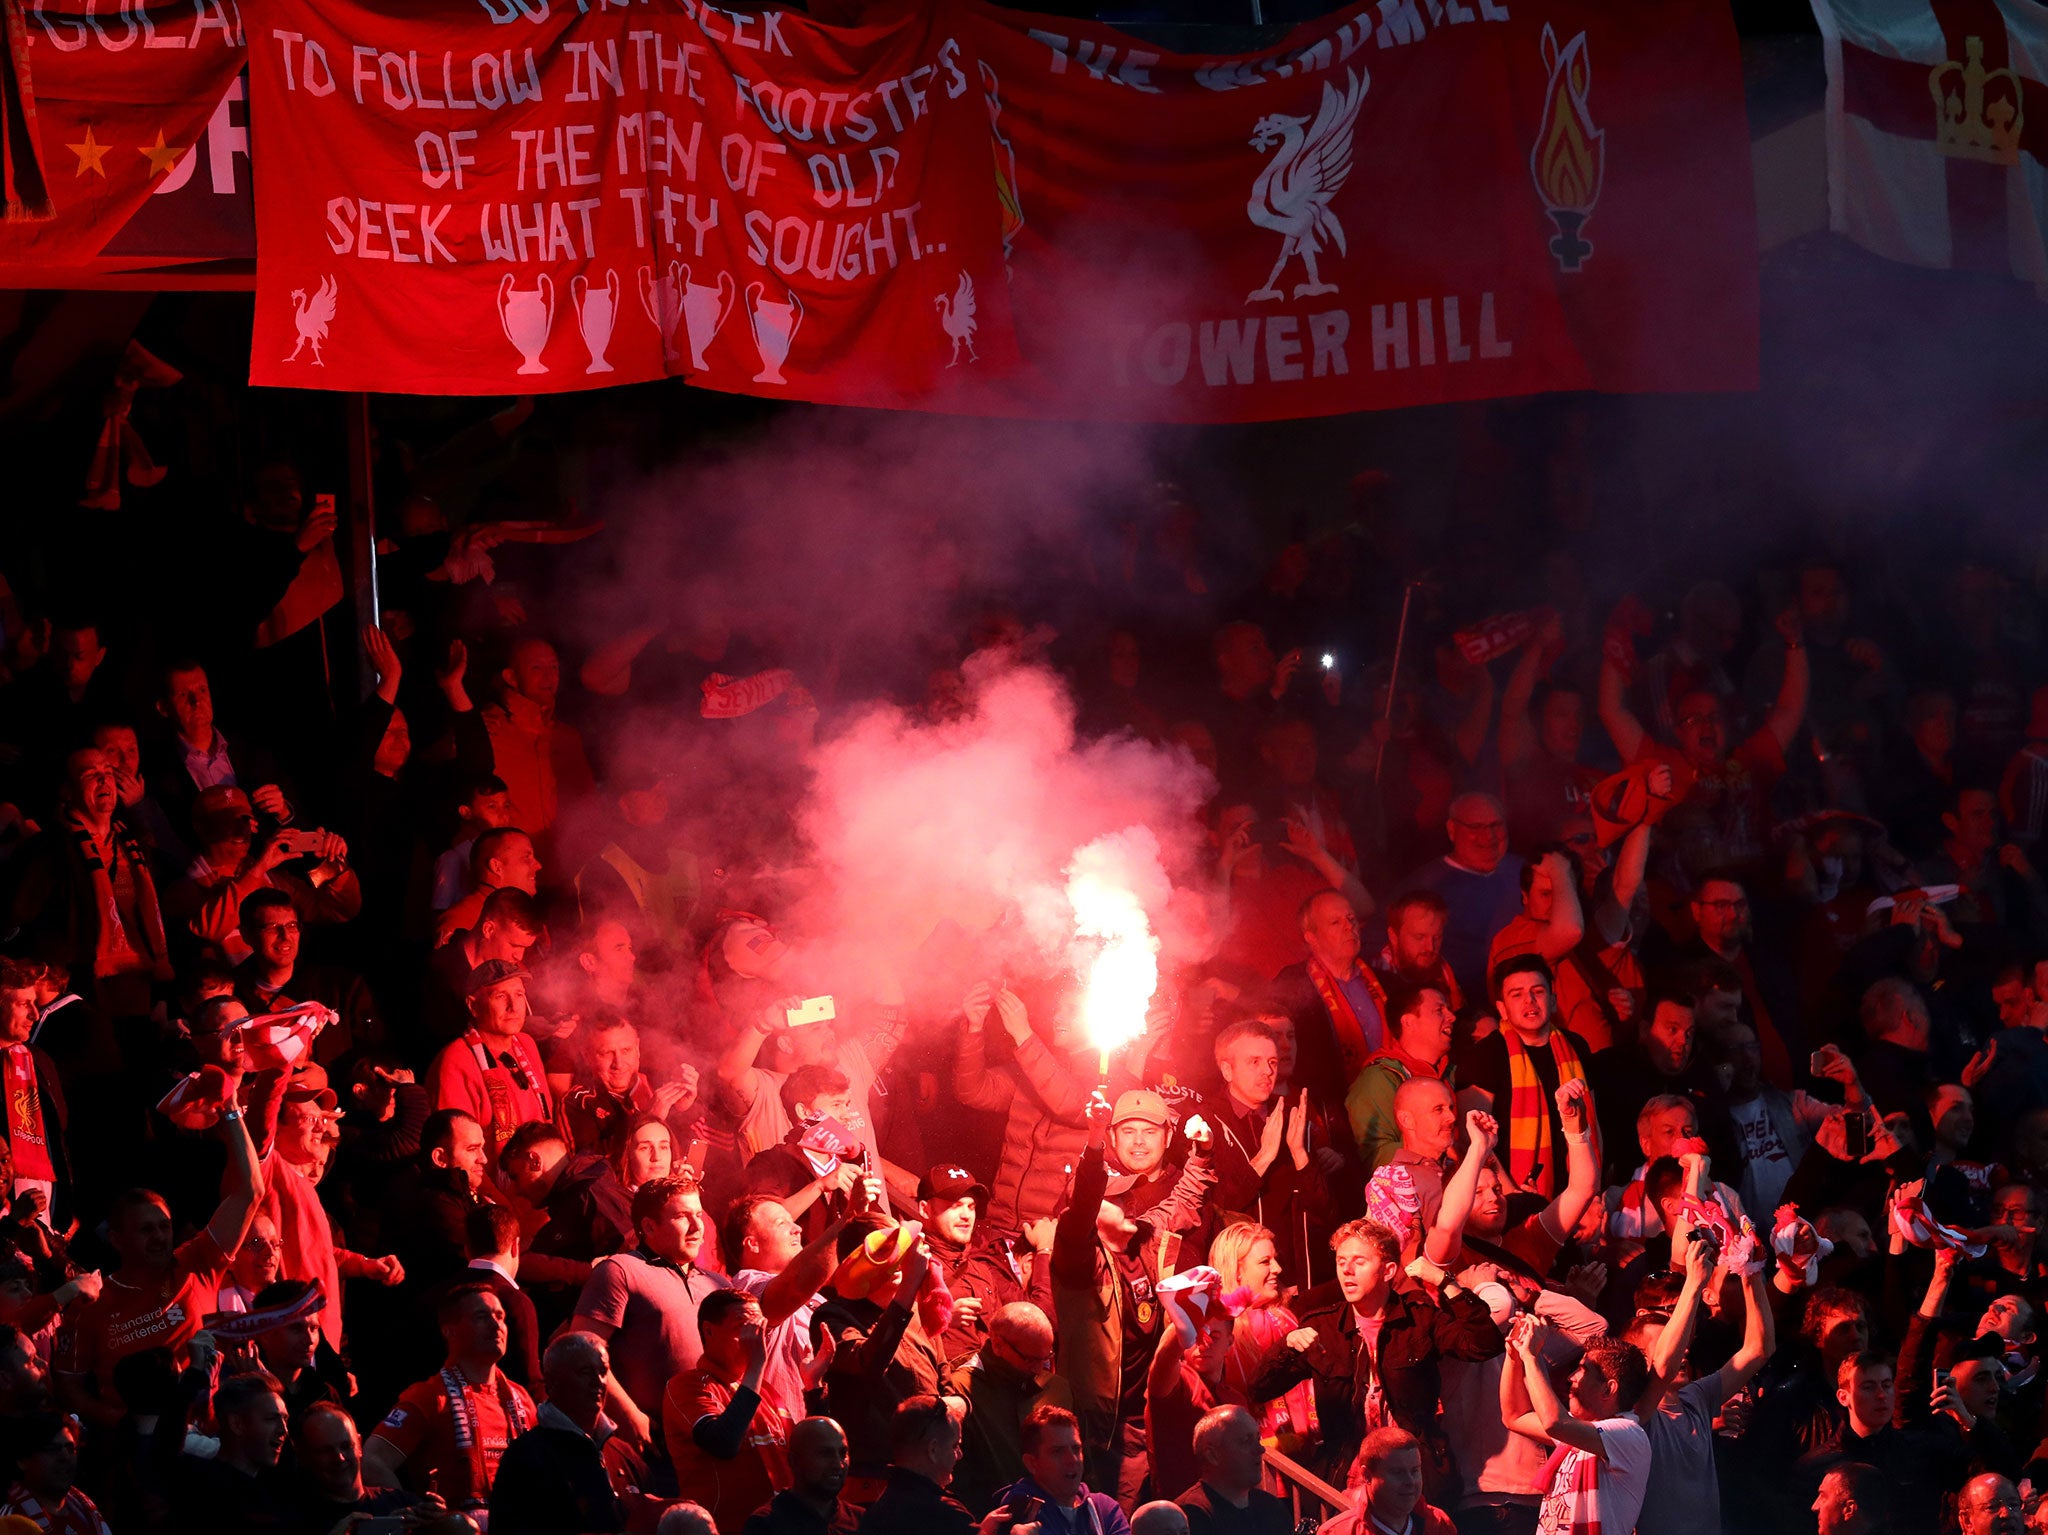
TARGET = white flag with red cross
(1938,131)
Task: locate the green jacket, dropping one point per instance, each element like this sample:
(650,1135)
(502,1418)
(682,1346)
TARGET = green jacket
(1370,1106)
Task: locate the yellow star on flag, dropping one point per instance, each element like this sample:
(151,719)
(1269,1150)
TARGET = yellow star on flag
(90,153)
(161,158)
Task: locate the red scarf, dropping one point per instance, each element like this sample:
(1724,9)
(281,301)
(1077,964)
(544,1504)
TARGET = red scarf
(1532,1158)
(1345,1023)
(116,951)
(25,1132)
(503,1086)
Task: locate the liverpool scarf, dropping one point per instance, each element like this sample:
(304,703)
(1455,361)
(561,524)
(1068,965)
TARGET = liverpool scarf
(116,950)
(1572,1505)
(1345,1023)
(1532,1158)
(469,1439)
(25,1133)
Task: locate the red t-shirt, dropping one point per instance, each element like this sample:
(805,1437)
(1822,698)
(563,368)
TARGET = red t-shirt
(422,1427)
(132,1315)
(731,1489)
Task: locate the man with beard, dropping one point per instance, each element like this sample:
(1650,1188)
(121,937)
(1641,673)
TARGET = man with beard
(983,1277)
(1414,951)
(430,1204)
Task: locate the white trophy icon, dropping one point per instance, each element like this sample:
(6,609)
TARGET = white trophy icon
(705,308)
(597,309)
(528,315)
(663,301)
(775,326)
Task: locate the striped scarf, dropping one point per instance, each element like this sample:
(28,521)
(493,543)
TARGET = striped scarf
(1572,1504)
(1352,1045)
(1532,1159)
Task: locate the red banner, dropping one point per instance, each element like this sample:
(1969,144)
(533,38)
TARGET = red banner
(124,93)
(1402,204)
(961,208)
(752,199)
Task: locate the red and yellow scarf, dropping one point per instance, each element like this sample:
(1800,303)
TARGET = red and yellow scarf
(1532,1159)
(1345,1023)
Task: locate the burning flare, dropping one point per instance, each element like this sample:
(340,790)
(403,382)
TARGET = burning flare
(1115,950)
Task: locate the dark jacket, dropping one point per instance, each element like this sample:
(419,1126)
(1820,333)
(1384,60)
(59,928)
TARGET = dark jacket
(788,1514)
(992,1438)
(1415,1336)
(1209,1514)
(1280,1201)
(882,1357)
(915,1505)
(551,1480)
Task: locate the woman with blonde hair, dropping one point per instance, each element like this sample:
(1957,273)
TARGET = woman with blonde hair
(1246,1257)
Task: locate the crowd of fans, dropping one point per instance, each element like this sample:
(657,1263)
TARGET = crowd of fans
(1617,1099)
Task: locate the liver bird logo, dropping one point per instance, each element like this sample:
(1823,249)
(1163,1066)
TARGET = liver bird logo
(956,318)
(313,315)
(1293,193)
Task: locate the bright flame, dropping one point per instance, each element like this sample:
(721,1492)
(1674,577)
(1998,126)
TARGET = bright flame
(1122,968)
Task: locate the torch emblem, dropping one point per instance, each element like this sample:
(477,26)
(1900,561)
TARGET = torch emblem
(1570,156)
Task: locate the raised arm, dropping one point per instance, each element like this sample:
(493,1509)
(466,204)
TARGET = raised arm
(789,1291)
(1759,1337)
(1547,1417)
(975,1083)
(1482,1134)
(1582,1166)
(230,1222)
(1632,858)
(1623,728)
(736,1074)
(1789,712)
(1567,923)
(608,670)
(1517,731)
(1675,1341)
(1470,737)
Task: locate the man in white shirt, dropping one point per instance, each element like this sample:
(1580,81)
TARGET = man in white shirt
(1598,1484)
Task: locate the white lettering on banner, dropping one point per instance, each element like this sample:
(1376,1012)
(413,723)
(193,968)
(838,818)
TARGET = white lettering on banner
(444,160)
(129,20)
(1096,59)
(833,177)
(655,135)
(566,148)
(314,69)
(225,138)
(375,231)
(674,74)
(1230,352)
(833,250)
(1324,53)
(1390,334)
(745,162)
(593,64)
(538,231)
(739,29)
(503,12)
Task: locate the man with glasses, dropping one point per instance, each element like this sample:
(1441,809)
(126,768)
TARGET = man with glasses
(1480,882)
(272,979)
(1010,1375)
(1720,912)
